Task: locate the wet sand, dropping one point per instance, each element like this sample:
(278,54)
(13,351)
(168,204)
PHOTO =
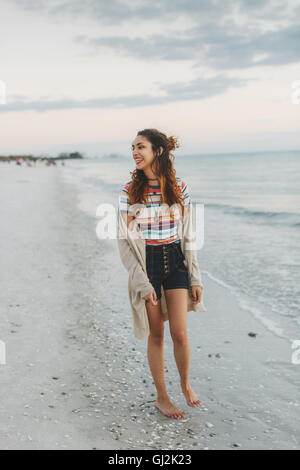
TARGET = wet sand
(76,377)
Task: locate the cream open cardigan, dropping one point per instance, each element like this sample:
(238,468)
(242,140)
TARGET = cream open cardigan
(132,248)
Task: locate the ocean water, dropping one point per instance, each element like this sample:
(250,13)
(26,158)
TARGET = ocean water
(251,223)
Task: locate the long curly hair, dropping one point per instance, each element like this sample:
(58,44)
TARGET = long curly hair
(162,166)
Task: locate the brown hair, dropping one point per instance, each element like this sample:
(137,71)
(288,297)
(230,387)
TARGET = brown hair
(162,166)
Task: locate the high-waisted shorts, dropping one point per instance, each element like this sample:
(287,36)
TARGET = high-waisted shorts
(165,267)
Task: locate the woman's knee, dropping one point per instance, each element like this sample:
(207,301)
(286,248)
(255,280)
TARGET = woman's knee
(157,335)
(179,336)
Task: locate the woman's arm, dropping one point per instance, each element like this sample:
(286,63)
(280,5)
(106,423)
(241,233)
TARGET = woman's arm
(132,265)
(128,257)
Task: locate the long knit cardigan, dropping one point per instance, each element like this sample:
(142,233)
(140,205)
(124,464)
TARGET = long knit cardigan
(132,248)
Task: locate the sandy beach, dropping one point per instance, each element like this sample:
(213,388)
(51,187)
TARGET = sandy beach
(76,377)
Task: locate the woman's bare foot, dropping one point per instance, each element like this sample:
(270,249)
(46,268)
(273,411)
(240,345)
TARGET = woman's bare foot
(166,407)
(191,397)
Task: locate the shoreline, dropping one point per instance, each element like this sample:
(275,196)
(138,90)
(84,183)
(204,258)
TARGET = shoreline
(76,325)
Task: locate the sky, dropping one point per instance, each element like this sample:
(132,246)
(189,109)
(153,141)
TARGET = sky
(87,75)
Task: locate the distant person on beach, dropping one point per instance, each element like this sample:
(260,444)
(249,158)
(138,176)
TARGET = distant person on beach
(164,275)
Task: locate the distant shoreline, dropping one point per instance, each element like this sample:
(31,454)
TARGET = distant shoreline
(62,156)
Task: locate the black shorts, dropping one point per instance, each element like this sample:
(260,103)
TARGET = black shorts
(165,267)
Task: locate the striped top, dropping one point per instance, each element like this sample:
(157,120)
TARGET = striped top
(157,225)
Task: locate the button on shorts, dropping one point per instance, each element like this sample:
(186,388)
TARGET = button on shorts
(165,267)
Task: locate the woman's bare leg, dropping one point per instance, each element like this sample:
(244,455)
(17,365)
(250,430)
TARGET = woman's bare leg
(156,361)
(177,301)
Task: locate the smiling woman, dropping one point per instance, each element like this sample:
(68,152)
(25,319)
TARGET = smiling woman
(154,164)
(164,276)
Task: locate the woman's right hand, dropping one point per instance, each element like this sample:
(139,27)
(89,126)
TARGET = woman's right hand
(151,297)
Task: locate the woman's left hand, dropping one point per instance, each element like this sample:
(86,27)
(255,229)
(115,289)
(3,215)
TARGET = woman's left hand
(196,294)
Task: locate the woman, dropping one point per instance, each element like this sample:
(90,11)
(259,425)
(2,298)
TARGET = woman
(153,205)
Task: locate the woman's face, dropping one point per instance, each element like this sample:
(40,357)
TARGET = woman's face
(142,152)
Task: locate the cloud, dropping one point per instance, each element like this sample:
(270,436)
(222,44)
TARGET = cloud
(211,45)
(226,35)
(116,11)
(197,89)
(278,48)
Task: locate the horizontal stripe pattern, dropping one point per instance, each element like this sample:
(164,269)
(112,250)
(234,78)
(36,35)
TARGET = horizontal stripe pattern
(159,228)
